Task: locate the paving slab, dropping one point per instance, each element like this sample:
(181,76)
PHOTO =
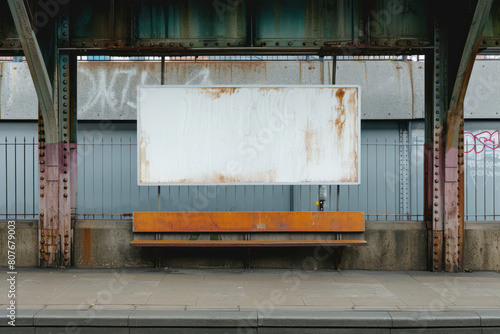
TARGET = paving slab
(23,317)
(193,318)
(83,318)
(266,299)
(315,330)
(489,318)
(435,319)
(326,319)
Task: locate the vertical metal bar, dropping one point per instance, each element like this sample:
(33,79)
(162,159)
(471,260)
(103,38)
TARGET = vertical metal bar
(6,183)
(409,167)
(121,177)
(359,190)
(466,163)
(484,184)
(272,196)
(84,172)
(338,198)
(475,182)
(93,177)
(130,177)
(396,195)
(15,178)
(24,177)
(376,177)
(367,180)
(385,177)
(417,178)
(494,187)
(348,198)
(102,176)
(162,82)
(112,176)
(34,188)
(310,199)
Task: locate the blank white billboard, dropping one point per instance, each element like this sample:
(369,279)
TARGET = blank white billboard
(248,135)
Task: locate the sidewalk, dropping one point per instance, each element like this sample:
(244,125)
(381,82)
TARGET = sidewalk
(247,289)
(292,294)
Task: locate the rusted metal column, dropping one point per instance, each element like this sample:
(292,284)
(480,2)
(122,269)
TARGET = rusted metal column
(454,144)
(67,150)
(444,150)
(436,81)
(48,156)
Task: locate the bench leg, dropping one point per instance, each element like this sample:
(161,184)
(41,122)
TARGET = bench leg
(247,260)
(157,258)
(339,257)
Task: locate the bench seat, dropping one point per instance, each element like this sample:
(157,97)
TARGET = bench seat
(245,243)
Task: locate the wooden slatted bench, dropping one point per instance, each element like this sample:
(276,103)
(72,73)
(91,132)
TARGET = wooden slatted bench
(248,227)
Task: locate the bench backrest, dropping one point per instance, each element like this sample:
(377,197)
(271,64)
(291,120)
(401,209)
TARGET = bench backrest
(295,221)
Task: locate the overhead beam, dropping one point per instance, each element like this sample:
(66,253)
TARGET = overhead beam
(37,68)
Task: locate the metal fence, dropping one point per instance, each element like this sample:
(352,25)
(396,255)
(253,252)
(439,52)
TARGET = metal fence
(482,168)
(19,178)
(391,184)
(108,188)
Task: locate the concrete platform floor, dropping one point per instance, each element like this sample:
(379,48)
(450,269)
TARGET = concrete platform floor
(252,290)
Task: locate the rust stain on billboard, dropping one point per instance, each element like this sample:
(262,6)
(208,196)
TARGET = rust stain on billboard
(145,165)
(216,93)
(311,142)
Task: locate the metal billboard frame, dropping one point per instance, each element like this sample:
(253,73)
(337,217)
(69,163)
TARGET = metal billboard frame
(245,183)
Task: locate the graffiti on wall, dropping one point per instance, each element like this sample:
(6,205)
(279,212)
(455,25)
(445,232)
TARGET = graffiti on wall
(478,142)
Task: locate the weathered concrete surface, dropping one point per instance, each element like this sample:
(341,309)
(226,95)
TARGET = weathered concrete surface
(391,246)
(105,244)
(26,242)
(482,246)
